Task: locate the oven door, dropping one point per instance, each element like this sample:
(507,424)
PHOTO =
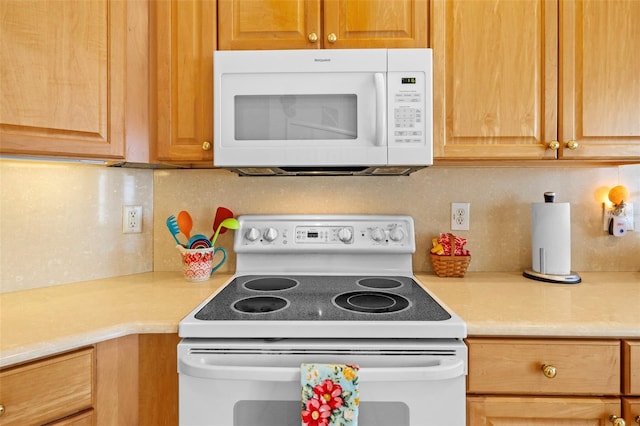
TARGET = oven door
(242,383)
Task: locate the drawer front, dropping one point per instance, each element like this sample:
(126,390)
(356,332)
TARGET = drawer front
(588,367)
(47,390)
(631,349)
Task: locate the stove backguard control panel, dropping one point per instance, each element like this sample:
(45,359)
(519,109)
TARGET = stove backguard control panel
(339,234)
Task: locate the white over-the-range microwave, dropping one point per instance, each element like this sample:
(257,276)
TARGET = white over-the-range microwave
(327,112)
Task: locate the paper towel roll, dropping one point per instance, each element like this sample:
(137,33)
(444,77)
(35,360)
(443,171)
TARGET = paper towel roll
(551,238)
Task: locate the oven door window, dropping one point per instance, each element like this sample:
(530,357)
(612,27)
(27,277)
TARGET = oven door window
(284,413)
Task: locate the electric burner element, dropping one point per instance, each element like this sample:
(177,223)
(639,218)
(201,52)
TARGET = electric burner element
(380,283)
(270,284)
(260,304)
(371,302)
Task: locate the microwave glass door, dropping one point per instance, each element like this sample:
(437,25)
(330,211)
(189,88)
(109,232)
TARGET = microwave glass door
(296,117)
(302,109)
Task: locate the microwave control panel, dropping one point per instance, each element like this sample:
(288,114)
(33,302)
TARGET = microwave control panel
(406,107)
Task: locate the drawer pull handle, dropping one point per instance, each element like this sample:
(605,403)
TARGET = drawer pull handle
(616,421)
(549,371)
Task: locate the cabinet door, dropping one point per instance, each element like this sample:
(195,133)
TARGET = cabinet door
(495,79)
(86,418)
(62,74)
(631,411)
(158,379)
(268,24)
(600,85)
(525,411)
(631,357)
(375,23)
(49,389)
(183,41)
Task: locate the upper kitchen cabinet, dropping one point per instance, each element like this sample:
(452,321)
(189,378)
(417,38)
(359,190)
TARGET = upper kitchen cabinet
(313,24)
(62,75)
(536,79)
(183,38)
(600,69)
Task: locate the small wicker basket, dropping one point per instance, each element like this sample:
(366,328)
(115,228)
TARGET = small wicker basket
(451,265)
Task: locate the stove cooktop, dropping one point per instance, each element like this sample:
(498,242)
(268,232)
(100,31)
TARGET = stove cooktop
(322,298)
(322,306)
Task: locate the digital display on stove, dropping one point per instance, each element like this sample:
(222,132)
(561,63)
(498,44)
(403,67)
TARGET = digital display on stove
(312,234)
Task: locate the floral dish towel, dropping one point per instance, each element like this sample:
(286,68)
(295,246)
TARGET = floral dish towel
(330,395)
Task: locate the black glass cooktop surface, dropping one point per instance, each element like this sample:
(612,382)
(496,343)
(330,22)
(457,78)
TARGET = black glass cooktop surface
(322,298)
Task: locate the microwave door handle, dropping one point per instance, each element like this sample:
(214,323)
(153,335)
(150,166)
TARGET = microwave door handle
(381,109)
(196,367)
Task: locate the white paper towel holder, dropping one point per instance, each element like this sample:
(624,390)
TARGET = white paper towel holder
(571,278)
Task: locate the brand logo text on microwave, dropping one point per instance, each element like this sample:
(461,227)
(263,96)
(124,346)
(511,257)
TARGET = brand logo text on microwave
(322,60)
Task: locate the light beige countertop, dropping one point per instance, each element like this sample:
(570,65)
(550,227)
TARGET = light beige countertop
(41,322)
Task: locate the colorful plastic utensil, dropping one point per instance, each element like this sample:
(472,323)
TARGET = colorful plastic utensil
(185,223)
(198,241)
(172,224)
(222,213)
(230,223)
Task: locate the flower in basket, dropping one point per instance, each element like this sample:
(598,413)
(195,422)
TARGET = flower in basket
(443,244)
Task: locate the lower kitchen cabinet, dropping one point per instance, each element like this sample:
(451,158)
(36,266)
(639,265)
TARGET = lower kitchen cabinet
(158,355)
(544,381)
(86,418)
(49,390)
(512,411)
(631,404)
(631,411)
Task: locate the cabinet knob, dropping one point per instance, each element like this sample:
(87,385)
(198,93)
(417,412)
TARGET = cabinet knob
(206,146)
(572,145)
(637,419)
(332,38)
(313,37)
(554,145)
(549,371)
(616,421)
(1,409)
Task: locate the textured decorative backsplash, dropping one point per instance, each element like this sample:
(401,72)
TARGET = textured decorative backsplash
(500,232)
(62,223)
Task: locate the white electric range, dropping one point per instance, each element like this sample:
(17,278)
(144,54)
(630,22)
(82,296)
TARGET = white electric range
(322,289)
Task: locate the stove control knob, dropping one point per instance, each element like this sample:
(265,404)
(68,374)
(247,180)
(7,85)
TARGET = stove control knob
(252,234)
(345,235)
(378,234)
(270,234)
(396,234)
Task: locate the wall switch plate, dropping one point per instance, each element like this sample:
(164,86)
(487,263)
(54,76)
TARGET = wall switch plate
(131,219)
(460,216)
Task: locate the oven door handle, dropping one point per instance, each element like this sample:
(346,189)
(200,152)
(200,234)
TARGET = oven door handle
(198,367)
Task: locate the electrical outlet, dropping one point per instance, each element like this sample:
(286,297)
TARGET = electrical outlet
(460,216)
(131,219)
